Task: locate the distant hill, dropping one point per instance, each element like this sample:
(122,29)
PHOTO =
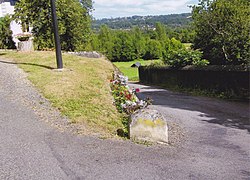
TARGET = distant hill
(172,20)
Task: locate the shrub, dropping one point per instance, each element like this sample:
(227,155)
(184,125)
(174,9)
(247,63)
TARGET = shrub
(6,41)
(184,57)
(156,64)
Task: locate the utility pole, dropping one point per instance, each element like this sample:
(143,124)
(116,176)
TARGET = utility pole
(56,36)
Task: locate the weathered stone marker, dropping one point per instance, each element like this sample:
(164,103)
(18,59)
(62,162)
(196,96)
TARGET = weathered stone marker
(148,125)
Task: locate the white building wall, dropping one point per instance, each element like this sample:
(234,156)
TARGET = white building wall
(7,7)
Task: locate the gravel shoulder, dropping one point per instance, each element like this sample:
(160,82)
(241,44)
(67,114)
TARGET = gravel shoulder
(37,143)
(18,89)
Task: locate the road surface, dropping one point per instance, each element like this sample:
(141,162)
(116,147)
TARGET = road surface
(33,145)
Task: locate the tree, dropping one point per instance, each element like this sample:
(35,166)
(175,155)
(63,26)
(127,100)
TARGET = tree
(124,45)
(161,36)
(75,25)
(6,41)
(175,45)
(124,49)
(106,41)
(94,43)
(139,42)
(73,19)
(105,37)
(160,32)
(153,49)
(222,30)
(185,35)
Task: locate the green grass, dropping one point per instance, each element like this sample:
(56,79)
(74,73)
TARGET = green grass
(132,73)
(81,92)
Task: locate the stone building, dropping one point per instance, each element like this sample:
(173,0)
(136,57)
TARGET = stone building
(7,8)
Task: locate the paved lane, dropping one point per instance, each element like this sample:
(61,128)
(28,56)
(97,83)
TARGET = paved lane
(217,131)
(34,145)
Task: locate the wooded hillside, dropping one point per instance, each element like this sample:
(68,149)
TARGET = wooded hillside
(173,20)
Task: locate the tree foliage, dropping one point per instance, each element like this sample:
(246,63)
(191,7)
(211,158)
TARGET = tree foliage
(139,42)
(73,20)
(182,57)
(6,41)
(128,45)
(105,41)
(222,30)
(153,49)
(124,48)
(172,20)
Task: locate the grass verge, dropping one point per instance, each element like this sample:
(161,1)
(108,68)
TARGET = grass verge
(81,91)
(131,72)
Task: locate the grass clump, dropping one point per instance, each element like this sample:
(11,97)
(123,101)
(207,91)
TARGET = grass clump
(81,91)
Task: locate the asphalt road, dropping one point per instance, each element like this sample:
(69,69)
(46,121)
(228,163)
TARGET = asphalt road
(33,145)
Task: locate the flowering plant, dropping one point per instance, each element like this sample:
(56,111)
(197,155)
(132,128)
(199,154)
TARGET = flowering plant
(125,98)
(23,36)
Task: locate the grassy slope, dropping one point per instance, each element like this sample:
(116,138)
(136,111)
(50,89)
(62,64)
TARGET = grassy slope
(81,92)
(127,70)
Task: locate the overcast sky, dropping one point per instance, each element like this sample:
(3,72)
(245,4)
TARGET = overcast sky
(121,8)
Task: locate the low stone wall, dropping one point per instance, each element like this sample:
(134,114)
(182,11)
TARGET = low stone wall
(233,79)
(93,54)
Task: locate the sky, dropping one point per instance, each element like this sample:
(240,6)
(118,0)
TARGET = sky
(124,8)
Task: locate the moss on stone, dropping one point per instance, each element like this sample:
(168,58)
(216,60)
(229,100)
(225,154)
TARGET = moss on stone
(160,122)
(150,123)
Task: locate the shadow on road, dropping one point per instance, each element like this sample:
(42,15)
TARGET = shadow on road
(28,64)
(225,113)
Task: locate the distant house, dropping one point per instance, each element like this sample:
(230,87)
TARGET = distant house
(7,7)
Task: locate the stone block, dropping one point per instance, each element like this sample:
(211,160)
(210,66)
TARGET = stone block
(148,125)
(25,46)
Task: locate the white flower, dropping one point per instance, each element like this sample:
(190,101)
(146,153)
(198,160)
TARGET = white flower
(123,79)
(123,106)
(142,103)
